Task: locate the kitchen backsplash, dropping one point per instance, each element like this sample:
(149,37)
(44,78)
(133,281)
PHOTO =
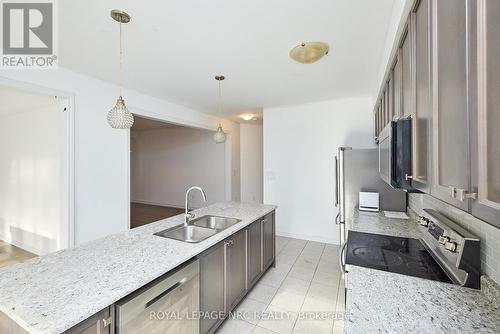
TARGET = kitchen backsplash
(489,235)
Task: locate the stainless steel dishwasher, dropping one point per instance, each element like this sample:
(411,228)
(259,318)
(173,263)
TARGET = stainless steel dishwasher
(167,305)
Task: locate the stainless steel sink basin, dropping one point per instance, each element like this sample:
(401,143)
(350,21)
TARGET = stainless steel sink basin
(192,234)
(214,222)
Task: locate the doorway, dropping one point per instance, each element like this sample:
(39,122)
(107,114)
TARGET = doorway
(35,173)
(165,160)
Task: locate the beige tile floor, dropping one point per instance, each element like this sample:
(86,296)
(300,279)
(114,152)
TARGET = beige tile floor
(306,281)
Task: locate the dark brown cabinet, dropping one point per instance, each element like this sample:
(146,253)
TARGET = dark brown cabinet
(268,239)
(485,112)
(229,269)
(99,323)
(254,242)
(236,268)
(450,118)
(406,74)
(420,32)
(213,280)
(446,75)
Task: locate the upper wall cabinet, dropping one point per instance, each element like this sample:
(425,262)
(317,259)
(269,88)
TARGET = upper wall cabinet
(485,110)
(421,109)
(449,100)
(406,74)
(398,86)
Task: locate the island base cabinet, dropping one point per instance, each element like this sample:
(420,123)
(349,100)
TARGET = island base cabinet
(100,323)
(236,268)
(268,240)
(231,268)
(212,287)
(254,242)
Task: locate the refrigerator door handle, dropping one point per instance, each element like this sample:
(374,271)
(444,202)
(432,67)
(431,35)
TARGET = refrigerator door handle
(342,259)
(336,181)
(337,221)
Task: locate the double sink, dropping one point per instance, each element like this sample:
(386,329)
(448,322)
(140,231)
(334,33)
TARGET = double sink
(199,229)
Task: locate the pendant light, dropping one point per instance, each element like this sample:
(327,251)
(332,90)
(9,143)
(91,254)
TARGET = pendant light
(220,135)
(120,117)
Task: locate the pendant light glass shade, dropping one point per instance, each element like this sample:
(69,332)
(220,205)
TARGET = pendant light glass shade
(219,135)
(120,117)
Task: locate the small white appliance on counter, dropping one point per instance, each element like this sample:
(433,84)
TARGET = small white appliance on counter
(368,201)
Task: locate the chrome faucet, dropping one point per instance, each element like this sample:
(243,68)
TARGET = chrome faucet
(187,214)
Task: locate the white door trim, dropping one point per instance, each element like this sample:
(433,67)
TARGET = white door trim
(67,228)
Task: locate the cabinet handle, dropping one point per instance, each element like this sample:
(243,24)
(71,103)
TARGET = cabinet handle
(462,194)
(229,243)
(453,191)
(408,177)
(106,322)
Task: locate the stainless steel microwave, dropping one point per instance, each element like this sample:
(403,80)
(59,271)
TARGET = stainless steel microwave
(395,153)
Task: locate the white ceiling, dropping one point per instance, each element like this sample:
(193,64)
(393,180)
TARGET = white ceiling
(14,100)
(173,49)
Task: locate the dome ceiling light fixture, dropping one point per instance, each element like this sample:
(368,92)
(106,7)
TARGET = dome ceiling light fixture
(309,52)
(220,135)
(120,117)
(249,117)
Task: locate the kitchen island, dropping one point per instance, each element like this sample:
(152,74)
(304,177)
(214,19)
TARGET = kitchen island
(52,293)
(384,302)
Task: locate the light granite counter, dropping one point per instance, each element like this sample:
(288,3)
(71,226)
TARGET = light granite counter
(383,302)
(376,222)
(52,293)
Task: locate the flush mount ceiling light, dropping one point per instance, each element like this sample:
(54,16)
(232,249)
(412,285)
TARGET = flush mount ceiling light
(249,117)
(309,52)
(120,117)
(220,135)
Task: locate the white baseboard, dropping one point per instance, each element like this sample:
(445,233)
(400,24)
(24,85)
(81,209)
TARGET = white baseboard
(23,245)
(308,237)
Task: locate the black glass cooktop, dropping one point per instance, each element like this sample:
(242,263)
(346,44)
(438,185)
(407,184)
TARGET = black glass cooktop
(393,254)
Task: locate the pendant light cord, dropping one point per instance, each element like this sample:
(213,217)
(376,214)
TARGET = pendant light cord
(220,99)
(120,79)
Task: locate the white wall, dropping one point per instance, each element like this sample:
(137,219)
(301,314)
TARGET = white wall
(300,143)
(251,157)
(166,162)
(101,153)
(31,161)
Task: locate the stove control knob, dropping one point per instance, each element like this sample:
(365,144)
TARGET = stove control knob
(443,240)
(423,221)
(451,246)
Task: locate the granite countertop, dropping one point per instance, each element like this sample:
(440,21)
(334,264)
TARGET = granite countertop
(376,222)
(52,293)
(383,302)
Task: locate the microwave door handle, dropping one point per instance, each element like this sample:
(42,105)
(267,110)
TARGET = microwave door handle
(336,181)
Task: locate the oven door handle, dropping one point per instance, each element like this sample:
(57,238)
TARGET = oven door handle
(341,258)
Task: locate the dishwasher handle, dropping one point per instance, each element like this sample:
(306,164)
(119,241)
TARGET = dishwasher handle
(166,292)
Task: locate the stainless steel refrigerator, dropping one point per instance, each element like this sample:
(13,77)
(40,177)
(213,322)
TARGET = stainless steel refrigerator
(357,170)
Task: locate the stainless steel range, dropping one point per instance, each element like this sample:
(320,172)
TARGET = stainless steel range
(446,253)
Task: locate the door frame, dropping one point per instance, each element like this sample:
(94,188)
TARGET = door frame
(67,214)
(160,117)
